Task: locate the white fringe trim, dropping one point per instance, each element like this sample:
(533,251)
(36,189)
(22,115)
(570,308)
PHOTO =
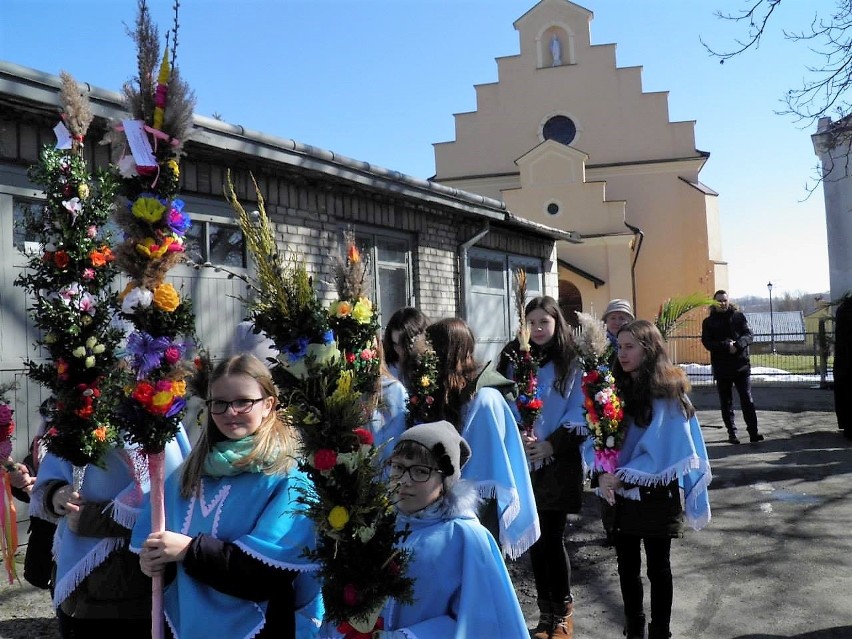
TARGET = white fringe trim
(83,568)
(123,514)
(38,509)
(684,467)
(529,537)
(284,565)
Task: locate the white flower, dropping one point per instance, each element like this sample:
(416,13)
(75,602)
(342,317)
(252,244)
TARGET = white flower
(90,343)
(90,361)
(98,349)
(610,442)
(365,533)
(80,351)
(136,297)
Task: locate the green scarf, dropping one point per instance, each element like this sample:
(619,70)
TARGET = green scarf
(220,460)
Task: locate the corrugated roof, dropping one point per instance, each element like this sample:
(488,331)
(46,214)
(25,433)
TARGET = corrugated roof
(788,326)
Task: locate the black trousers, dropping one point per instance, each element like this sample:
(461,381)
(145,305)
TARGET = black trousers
(549,558)
(657,553)
(724,386)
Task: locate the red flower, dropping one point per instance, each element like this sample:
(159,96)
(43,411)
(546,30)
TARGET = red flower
(364,436)
(61,259)
(535,404)
(6,430)
(52,432)
(143,393)
(85,412)
(350,358)
(591,377)
(325,459)
(413,400)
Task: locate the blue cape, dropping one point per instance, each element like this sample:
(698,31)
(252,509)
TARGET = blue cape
(388,421)
(123,482)
(498,466)
(257,513)
(473,595)
(670,447)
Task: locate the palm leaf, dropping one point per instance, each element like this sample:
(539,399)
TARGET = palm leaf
(673,311)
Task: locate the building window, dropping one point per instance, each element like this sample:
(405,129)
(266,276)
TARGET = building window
(22,238)
(559,128)
(553,208)
(218,243)
(390,259)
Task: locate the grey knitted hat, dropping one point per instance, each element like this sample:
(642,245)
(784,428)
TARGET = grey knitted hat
(616,306)
(449,449)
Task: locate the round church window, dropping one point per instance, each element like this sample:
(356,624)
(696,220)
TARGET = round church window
(560,128)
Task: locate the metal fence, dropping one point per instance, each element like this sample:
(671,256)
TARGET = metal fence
(796,357)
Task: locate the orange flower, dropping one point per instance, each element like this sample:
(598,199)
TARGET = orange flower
(354,254)
(343,308)
(166,298)
(107,253)
(100,433)
(98,258)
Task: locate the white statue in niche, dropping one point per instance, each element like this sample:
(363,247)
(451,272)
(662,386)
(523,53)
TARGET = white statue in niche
(556,50)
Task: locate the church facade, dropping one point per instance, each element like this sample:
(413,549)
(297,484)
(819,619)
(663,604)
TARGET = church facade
(568,139)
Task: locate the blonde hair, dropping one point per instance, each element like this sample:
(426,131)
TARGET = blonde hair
(276,444)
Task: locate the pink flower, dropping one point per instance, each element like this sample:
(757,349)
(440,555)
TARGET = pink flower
(88,273)
(92,231)
(172,355)
(367,354)
(5,414)
(325,459)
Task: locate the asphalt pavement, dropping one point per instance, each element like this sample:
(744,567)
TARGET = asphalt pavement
(775,560)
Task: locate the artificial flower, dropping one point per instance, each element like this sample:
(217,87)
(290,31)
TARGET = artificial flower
(127,167)
(83,191)
(137,296)
(88,274)
(100,433)
(338,517)
(341,309)
(173,166)
(364,436)
(179,387)
(178,221)
(149,209)
(354,255)
(172,355)
(166,298)
(325,459)
(363,311)
(143,393)
(61,259)
(146,351)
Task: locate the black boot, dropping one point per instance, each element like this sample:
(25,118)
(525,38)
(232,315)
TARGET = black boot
(634,627)
(658,632)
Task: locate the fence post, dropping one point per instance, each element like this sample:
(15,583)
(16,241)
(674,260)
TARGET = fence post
(823,355)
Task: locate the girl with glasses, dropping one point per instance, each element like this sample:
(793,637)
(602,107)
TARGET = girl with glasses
(232,552)
(473,596)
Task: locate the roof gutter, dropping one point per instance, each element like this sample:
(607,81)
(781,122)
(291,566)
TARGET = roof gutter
(637,232)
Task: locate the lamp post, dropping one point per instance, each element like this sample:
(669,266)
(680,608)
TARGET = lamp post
(771,319)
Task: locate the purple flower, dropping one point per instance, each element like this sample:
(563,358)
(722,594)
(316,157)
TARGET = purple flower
(147,352)
(177,220)
(177,406)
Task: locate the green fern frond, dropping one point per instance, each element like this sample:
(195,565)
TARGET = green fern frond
(673,311)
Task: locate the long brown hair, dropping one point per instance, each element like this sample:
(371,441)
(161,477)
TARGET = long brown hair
(656,378)
(560,350)
(276,445)
(411,323)
(453,342)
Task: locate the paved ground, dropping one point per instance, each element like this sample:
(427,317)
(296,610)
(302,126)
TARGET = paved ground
(775,561)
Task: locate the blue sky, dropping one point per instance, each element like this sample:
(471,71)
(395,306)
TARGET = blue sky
(379,80)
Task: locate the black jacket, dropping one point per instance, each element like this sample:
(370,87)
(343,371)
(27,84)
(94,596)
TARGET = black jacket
(716,330)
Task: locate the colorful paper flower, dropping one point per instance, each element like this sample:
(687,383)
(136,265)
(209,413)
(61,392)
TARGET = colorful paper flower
(149,209)
(166,298)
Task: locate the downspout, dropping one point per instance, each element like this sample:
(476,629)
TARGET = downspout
(641,236)
(464,247)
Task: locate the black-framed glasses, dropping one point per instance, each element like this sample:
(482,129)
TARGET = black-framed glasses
(240,406)
(419,473)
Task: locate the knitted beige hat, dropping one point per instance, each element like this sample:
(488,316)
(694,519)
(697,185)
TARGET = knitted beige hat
(450,451)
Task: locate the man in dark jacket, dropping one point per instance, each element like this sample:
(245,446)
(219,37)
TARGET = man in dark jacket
(726,334)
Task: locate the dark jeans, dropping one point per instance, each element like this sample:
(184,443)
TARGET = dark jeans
(73,628)
(726,397)
(657,553)
(550,563)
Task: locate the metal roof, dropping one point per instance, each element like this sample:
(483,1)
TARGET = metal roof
(787,326)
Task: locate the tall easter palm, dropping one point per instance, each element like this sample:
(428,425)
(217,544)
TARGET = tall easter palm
(673,311)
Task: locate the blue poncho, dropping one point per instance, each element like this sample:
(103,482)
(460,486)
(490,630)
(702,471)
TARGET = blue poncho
(388,421)
(122,483)
(498,467)
(461,588)
(670,447)
(258,514)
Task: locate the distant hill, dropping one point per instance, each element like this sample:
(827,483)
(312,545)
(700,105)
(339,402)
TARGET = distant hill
(799,301)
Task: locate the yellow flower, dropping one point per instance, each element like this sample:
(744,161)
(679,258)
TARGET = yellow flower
(83,191)
(363,311)
(342,308)
(166,298)
(149,209)
(162,398)
(89,361)
(425,381)
(172,166)
(179,388)
(149,248)
(338,517)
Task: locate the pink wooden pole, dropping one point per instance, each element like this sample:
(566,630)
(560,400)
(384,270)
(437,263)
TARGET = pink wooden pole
(158,524)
